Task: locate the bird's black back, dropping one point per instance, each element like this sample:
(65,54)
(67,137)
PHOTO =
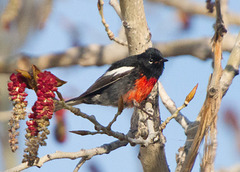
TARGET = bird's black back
(121,77)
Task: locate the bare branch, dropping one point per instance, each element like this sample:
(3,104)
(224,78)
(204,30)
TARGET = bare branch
(175,114)
(200,47)
(108,131)
(109,32)
(85,56)
(210,6)
(210,148)
(10,13)
(193,7)
(45,11)
(116,6)
(209,111)
(80,163)
(189,127)
(85,132)
(153,156)
(100,55)
(104,149)
(232,67)
(225,11)
(135,24)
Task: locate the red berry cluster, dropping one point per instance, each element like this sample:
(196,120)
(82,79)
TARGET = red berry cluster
(17,94)
(43,109)
(17,87)
(44,84)
(44,106)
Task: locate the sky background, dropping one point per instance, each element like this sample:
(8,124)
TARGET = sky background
(181,74)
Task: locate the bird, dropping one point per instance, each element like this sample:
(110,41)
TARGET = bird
(130,79)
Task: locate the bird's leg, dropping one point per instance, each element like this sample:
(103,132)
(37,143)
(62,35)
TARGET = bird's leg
(120,109)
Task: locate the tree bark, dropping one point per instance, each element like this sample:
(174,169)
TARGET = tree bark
(139,39)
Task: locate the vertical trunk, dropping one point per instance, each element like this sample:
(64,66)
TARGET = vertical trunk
(139,39)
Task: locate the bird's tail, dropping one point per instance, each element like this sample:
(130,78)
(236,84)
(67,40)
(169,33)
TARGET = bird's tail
(71,102)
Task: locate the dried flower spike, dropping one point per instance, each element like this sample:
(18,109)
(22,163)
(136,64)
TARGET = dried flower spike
(16,88)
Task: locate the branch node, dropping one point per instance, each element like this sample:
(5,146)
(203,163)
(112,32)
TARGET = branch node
(126,25)
(212,91)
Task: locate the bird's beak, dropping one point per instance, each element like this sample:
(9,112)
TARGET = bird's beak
(164,60)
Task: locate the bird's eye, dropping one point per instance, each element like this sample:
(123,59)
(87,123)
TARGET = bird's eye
(150,61)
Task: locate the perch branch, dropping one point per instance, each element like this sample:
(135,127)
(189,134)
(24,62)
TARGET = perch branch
(108,131)
(104,149)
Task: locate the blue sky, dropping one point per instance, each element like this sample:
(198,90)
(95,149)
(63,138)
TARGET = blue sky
(180,76)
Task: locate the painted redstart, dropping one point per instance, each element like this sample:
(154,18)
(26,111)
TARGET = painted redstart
(131,78)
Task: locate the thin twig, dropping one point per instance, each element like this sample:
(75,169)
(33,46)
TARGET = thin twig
(85,132)
(172,108)
(174,115)
(109,32)
(116,6)
(80,163)
(114,120)
(115,134)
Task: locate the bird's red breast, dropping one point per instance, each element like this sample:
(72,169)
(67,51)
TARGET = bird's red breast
(142,89)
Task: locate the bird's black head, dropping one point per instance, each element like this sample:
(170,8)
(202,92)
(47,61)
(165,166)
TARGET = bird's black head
(152,62)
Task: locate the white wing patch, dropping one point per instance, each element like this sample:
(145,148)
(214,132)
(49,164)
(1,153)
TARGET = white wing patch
(119,70)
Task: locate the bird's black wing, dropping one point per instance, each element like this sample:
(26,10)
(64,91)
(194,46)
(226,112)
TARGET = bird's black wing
(107,79)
